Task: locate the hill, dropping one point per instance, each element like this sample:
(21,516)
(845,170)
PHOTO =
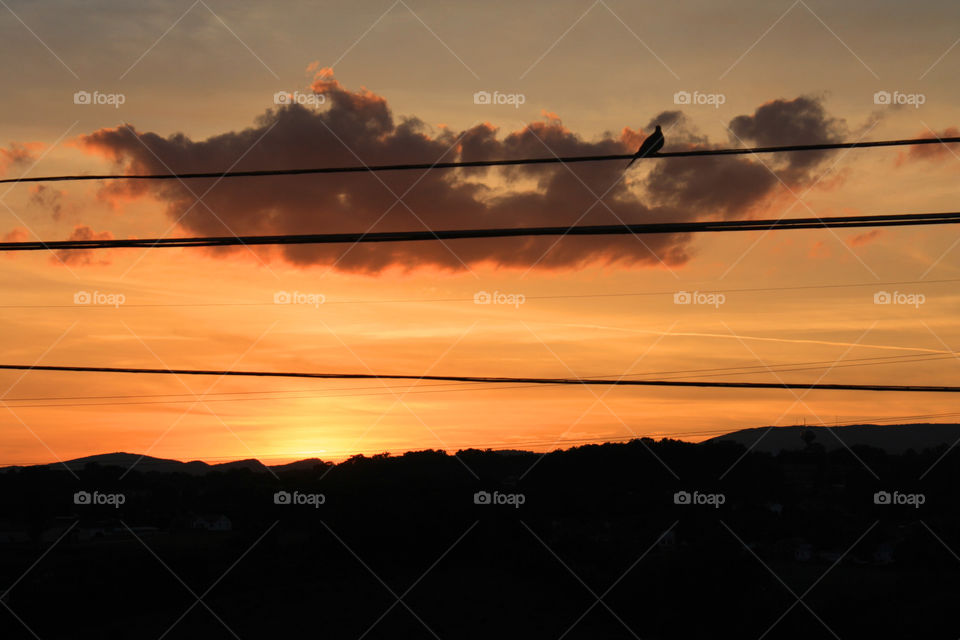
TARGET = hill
(894,439)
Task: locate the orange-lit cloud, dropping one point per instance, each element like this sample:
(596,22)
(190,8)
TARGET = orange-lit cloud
(930,151)
(17,234)
(820,250)
(18,154)
(354,127)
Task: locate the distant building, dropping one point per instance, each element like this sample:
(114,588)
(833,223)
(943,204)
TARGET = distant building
(883,554)
(92,532)
(668,540)
(803,552)
(212,522)
(11,535)
(830,556)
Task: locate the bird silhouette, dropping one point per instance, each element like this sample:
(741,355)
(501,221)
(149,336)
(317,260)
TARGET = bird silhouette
(650,145)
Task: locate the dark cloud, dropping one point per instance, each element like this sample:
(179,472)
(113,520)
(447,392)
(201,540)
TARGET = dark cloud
(48,199)
(735,186)
(802,120)
(864,238)
(358,126)
(80,258)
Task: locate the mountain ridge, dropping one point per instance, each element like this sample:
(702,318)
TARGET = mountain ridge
(895,439)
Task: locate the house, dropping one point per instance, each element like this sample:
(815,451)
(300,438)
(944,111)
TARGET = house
(830,556)
(93,531)
(212,522)
(11,535)
(883,554)
(668,540)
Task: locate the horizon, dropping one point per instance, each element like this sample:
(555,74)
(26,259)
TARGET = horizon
(523,447)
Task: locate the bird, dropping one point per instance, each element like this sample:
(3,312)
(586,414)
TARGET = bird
(650,145)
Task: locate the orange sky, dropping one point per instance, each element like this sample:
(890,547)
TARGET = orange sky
(616,69)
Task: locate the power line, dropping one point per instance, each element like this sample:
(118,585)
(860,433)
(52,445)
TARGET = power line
(491,379)
(689,153)
(50,401)
(713,226)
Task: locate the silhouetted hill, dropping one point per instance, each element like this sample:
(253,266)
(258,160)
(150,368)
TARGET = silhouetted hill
(299,465)
(893,439)
(147,464)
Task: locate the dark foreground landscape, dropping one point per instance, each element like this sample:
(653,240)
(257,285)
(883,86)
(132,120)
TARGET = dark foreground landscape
(642,539)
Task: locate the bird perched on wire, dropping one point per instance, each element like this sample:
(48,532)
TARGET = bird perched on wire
(650,145)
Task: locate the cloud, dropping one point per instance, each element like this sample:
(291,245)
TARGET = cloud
(930,151)
(736,186)
(355,127)
(802,120)
(864,238)
(18,154)
(84,258)
(47,198)
(17,234)
(819,249)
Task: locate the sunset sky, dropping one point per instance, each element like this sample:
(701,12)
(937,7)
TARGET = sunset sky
(386,82)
